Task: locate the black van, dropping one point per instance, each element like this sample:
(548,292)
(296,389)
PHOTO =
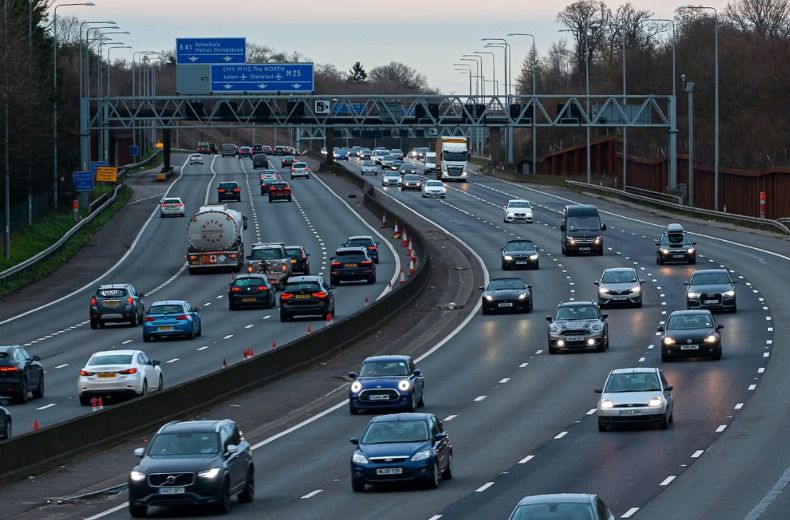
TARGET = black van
(581,230)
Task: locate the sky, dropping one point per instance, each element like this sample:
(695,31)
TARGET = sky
(428,36)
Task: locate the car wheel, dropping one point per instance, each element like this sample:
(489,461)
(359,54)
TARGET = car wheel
(38,393)
(421,402)
(531,306)
(248,493)
(412,404)
(358,485)
(504,266)
(270,199)
(85,400)
(94,325)
(100,323)
(485,310)
(664,356)
(658,261)
(639,302)
(133,321)
(693,261)
(145,388)
(21,397)
(601,347)
(372,280)
(552,350)
(447,474)
(224,502)
(664,424)
(716,354)
(433,483)
(284,316)
(334,281)
(191,334)
(7,429)
(231,306)
(352,409)
(161,383)
(602,427)
(138,511)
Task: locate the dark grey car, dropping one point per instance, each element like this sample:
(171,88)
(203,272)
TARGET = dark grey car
(562,506)
(520,253)
(577,325)
(116,303)
(20,374)
(711,289)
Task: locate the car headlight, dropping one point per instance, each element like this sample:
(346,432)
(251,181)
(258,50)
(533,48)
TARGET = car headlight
(664,251)
(711,338)
(522,296)
(137,476)
(554,329)
(209,473)
(488,297)
(508,258)
(655,402)
(404,385)
(571,241)
(358,458)
(597,327)
(606,404)
(598,241)
(690,250)
(692,294)
(728,294)
(603,290)
(668,341)
(356,386)
(636,289)
(533,257)
(421,455)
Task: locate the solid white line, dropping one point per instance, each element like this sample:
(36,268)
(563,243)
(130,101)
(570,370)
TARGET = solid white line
(480,398)
(64,365)
(450,418)
(631,512)
(50,405)
(484,487)
(526,459)
(435,517)
(697,454)
(667,480)
(108,511)
(560,435)
(300,425)
(312,494)
(172,360)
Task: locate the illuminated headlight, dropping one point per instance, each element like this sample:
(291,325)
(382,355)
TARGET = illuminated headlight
(421,455)
(591,342)
(356,387)
(728,294)
(560,342)
(508,258)
(655,402)
(137,476)
(522,296)
(597,327)
(603,290)
(209,473)
(636,289)
(711,338)
(692,295)
(358,458)
(690,250)
(404,385)
(488,297)
(606,404)
(571,241)
(668,341)
(533,257)
(554,329)
(598,241)
(664,251)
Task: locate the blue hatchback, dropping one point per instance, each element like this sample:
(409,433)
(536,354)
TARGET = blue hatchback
(406,447)
(386,382)
(171,318)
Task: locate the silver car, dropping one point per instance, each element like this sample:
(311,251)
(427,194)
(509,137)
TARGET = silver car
(635,395)
(300,169)
(391,179)
(369,166)
(171,207)
(518,210)
(195,158)
(619,286)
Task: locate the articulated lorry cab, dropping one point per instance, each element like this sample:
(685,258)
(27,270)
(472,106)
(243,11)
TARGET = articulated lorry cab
(452,158)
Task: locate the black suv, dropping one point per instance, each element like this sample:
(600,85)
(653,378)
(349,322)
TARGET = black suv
(228,190)
(520,253)
(306,296)
(352,263)
(20,373)
(300,259)
(251,290)
(674,245)
(192,462)
(118,303)
(577,325)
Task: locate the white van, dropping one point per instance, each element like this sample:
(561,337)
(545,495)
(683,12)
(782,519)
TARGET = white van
(430,162)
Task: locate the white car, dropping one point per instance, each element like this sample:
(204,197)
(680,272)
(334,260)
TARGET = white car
(171,207)
(397,153)
(195,158)
(635,395)
(434,189)
(369,166)
(518,210)
(119,372)
(300,169)
(391,178)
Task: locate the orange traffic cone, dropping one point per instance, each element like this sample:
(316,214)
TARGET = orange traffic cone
(402,277)
(411,266)
(274,344)
(395,231)
(94,404)
(366,300)
(252,352)
(309,330)
(35,425)
(404,240)
(100,403)
(330,318)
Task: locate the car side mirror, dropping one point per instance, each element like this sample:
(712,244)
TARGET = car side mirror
(244,222)
(734,281)
(138,452)
(604,316)
(354,441)
(36,358)
(719,327)
(596,283)
(155,362)
(352,375)
(562,227)
(656,242)
(668,388)
(307,254)
(196,309)
(549,318)
(482,287)
(603,227)
(141,295)
(641,281)
(440,436)
(417,372)
(249,257)
(660,328)
(598,391)
(686,282)
(231,449)
(693,243)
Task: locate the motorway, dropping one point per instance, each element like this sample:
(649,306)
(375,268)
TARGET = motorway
(522,422)
(61,335)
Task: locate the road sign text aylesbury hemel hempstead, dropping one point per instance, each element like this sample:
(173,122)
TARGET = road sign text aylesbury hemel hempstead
(83,181)
(269,78)
(210,50)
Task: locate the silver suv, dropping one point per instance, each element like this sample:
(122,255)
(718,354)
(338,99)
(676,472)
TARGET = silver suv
(272,260)
(577,325)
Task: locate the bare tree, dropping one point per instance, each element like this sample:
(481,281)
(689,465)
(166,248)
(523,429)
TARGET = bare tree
(397,77)
(586,20)
(765,18)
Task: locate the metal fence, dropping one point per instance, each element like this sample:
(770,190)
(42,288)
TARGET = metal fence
(25,212)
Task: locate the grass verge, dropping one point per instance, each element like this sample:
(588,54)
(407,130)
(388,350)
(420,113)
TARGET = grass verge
(43,234)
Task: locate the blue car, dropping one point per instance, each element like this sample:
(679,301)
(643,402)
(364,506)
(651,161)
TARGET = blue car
(171,318)
(386,382)
(405,447)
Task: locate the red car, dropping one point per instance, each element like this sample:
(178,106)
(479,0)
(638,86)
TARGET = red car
(204,148)
(279,191)
(245,151)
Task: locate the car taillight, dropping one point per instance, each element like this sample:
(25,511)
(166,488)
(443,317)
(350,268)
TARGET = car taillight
(128,371)
(93,301)
(249,268)
(180,204)
(286,296)
(335,263)
(129,300)
(85,373)
(371,248)
(366,262)
(9,369)
(262,288)
(236,190)
(221,190)
(149,318)
(182,317)
(284,267)
(320,295)
(235,289)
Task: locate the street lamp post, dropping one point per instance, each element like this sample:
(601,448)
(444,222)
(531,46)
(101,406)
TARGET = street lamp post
(478,61)
(534,112)
(55,97)
(715,98)
(495,84)
(504,44)
(467,70)
(690,89)
(106,132)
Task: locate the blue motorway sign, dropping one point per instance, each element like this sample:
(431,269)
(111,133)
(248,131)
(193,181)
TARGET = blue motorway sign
(97,164)
(134,150)
(343,109)
(83,181)
(210,50)
(264,77)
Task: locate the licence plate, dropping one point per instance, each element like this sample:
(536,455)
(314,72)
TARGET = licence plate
(630,412)
(584,249)
(619,298)
(164,328)
(111,303)
(351,265)
(379,397)
(678,256)
(172,491)
(508,304)
(689,347)
(106,374)
(521,262)
(302,296)
(389,471)
(710,302)
(574,338)
(249,300)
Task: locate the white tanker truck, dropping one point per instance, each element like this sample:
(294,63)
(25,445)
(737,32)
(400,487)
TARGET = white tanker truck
(215,241)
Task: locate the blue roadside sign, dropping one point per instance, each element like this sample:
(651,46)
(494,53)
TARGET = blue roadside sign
(134,150)
(97,164)
(83,181)
(344,109)
(268,77)
(210,50)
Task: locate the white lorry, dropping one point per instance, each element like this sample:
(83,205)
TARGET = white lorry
(452,156)
(215,241)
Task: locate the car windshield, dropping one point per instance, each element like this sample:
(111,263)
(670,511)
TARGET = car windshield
(632,382)
(391,174)
(710,279)
(294,252)
(300,165)
(395,431)
(522,245)
(577,312)
(266,254)
(384,369)
(111,293)
(434,184)
(368,162)
(171,201)
(676,239)
(248,282)
(166,309)
(348,255)
(618,277)
(110,359)
(168,444)
(506,283)
(519,204)
(227,185)
(586,222)
(411,178)
(554,511)
(690,321)
(359,241)
(455,156)
(293,287)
